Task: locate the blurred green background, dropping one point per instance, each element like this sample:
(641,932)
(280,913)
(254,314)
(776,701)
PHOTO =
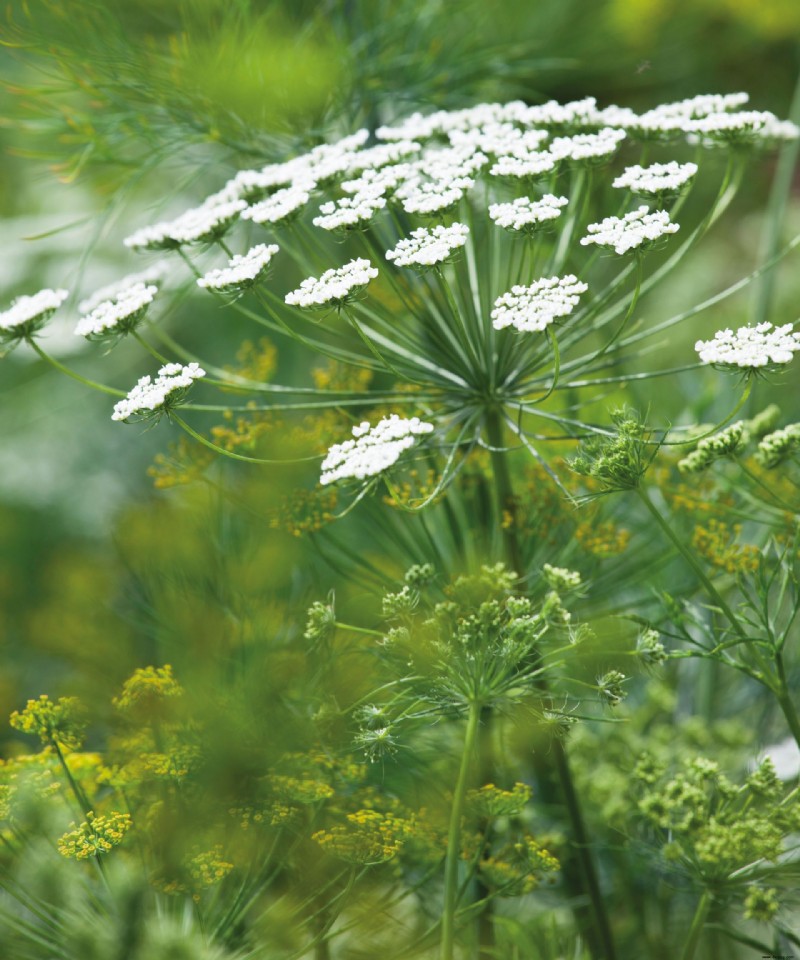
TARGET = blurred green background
(118,114)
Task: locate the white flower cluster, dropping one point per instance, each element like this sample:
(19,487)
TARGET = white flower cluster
(750,347)
(537,306)
(202,224)
(497,139)
(526,214)
(27,314)
(425,248)
(525,165)
(154,274)
(334,287)
(710,449)
(779,446)
(637,228)
(587,146)
(282,206)
(372,449)
(658,179)
(243,271)
(152,396)
(744,127)
(119,314)
(432,197)
(349,213)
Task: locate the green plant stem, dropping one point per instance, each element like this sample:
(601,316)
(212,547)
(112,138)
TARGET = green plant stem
(692,561)
(581,877)
(75,376)
(696,928)
(454,836)
(785,699)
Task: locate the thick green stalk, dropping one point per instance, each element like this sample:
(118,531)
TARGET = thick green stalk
(454,836)
(696,928)
(552,770)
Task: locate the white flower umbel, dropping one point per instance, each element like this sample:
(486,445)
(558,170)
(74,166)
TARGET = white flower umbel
(750,347)
(242,272)
(152,398)
(27,315)
(155,275)
(590,147)
(659,179)
(284,205)
(203,224)
(639,228)
(526,215)
(372,449)
(350,213)
(426,248)
(119,315)
(537,306)
(525,165)
(335,287)
(434,197)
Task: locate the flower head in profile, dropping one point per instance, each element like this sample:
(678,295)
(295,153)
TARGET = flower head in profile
(119,315)
(527,216)
(335,287)
(373,449)
(659,180)
(243,271)
(150,399)
(637,230)
(28,315)
(750,348)
(426,248)
(203,224)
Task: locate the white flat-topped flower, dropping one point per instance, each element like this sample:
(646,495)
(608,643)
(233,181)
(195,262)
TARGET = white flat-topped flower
(350,213)
(118,315)
(28,314)
(535,307)
(587,146)
(433,197)
(659,179)
(203,224)
(636,229)
(750,347)
(243,271)
(284,205)
(154,275)
(151,398)
(525,165)
(372,449)
(526,215)
(335,287)
(425,248)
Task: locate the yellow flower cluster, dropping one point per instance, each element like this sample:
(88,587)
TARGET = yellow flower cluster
(518,868)
(717,544)
(146,688)
(95,835)
(299,790)
(60,723)
(306,511)
(256,361)
(369,837)
(604,539)
(201,871)
(492,801)
(186,463)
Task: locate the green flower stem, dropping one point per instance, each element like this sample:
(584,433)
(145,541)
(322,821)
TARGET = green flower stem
(149,348)
(372,348)
(453,858)
(785,699)
(711,590)
(696,928)
(581,876)
(75,376)
(451,302)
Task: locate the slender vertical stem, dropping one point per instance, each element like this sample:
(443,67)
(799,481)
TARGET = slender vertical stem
(785,699)
(696,928)
(580,875)
(454,835)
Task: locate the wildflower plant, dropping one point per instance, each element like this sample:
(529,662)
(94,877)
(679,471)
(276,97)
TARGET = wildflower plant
(480,274)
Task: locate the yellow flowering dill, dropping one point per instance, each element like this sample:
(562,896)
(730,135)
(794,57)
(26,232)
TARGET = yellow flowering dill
(6,793)
(492,801)
(338,376)
(256,361)
(518,868)
(717,544)
(60,723)
(185,463)
(96,835)
(146,690)
(369,837)
(299,790)
(603,539)
(201,871)
(306,511)
(243,432)
(415,485)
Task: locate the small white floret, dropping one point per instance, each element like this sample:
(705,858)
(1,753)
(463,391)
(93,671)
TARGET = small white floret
(243,271)
(372,449)
(29,313)
(118,315)
(335,287)
(425,248)
(535,307)
(640,228)
(750,347)
(150,397)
